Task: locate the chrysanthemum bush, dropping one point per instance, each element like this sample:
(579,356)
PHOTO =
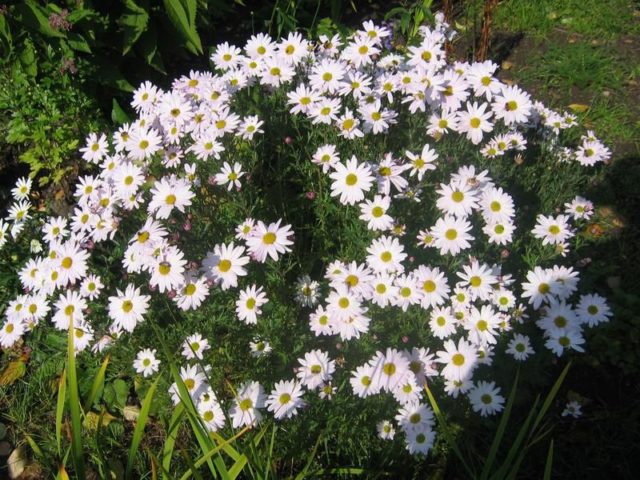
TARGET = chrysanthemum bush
(320,223)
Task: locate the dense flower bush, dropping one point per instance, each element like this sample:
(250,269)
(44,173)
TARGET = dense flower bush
(362,191)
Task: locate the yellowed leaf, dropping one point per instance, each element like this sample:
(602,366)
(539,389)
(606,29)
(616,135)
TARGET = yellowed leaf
(13,372)
(17,462)
(131,413)
(579,107)
(62,473)
(91,420)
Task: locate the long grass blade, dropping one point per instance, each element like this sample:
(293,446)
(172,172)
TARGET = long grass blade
(226,446)
(74,406)
(515,446)
(193,470)
(98,383)
(447,433)
(140,424)
(194,420)
(34,446)
(548,466)
(237,468)
(198,463)
(306,468)
(170,442)
(62,396)
(497,439)
(156,461)
(338,471)
(270,455)
(550,397)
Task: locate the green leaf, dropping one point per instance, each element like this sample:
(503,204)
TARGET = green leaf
(180,20)
(6,40)
(139,430)
(134,22)
(74,405)
(190,7)
(35,17)
(98,384)
(118,115)
(111,76)
(121,390)
(148,48)
(27,58)
(78,42)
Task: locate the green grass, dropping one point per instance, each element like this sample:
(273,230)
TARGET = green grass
(573,52)
(579,65)
(603,19)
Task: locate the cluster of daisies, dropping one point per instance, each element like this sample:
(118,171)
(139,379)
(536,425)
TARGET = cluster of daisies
(359,88)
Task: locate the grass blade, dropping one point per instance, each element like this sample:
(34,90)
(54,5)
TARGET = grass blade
(270,456)
(194,420)
(193,470)
(237,468)
(447,434)
(98,383)
(305,470)
(156,461)
(170,442)
(140,424)
(62,394)
(198,463)
(548,466)
(497,439)
(226,446)
(515,446)
(34,446)
(74,406)
(550,397)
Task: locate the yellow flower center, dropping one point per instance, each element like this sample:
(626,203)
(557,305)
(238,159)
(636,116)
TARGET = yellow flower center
(377,212)
(269,238)
(389,368)
(457,359)
(429,286)
(457,196)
